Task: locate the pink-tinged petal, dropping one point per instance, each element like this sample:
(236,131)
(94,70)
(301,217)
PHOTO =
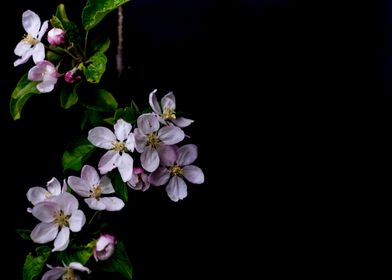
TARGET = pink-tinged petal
(181,121)
(45,87)
(67,202)
(38,52)
(101,137)
(154,102)
(112,203)
(149,159)
(103,241)
(95,204)
(79,266)
(187,154)
(21,48)
(132,183)
(125,167)
(46,211)
(90,175)
(106,185)
(122,129)
(108,161)
(54,274)
(31,23)
(193,174)
(130,143)
(77,221)
(140,140)
(167,155)
(176,189)
(44,233)
(36,195)
(54,186)
(80,186)
(65,186)
(148,123)
(170,135)
(44,27)
(169,101)
(62,240)
(159,177)
(24,58)
(145,183)
(36,73)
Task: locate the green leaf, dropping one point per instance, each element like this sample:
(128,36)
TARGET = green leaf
(119,262)
(95,68)
(68,99)
(77,154)
(33,265)
(56,22)
(104,101)
(24,233)
(72,31)
(128,114)
(100,45)
(77,253)
(22,92)
(119,186)
(96,10)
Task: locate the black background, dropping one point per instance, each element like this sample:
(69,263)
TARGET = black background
(282,93)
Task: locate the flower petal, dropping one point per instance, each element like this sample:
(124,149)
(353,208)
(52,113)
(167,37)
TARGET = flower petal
(90,175)
(108,161)
(176,189)
(181,121)
(62,240)
(21,48)
(167,155)
(112,203)
(159,177)
(170,135)
(24,58)
(44,232)
(122,129)
(77,221)
(106,185)
(101,137)
(31,23)
(79,186)
(79,266)
(45,211)
(54,186)
(46,86)
(54,274)
(169,101)
(130,143)
(36,73)
(154,102)
(103,241)
(140,140)
(38,52)
(125,167)
(187,154)
(95,204)
(44,27)
(36,195)
(193,174)
(149,159)
(67,202)
(148,123)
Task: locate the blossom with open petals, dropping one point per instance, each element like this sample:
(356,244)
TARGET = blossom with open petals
(58,217)
(118,145)
(90,185)
(31,44)
(177,166)
(44,72)
(139,180)
(150,137)
(167,109)
(104,248)
(66,272)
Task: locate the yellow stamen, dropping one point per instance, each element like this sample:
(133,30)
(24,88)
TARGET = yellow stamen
(28,39)
(168,113)
(61,219)
(153,140)
(175,170)
(96,192)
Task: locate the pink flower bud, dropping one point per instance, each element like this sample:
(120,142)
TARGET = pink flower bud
(105,247)
(70,76)
(56,36)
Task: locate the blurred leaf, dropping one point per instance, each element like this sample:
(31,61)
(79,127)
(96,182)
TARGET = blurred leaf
(128,114)
(24,233)
(77,154)
(96,10)
(33,265)
(103,101)
(22,92)
(67,99)
(95,68)
(77,253)
(119,186)
(100,45)
(72,31)
(56,22)
(119,262)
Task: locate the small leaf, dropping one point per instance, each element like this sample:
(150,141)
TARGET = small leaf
(95,68)
(119,186)
(96,10)
(68,99)
(128,114)
(33,265)
(24,233)
(56,22)
(101,45)
(119,262)
(22,92)
(103,101)
(77,253)
(72,31)
(77,154)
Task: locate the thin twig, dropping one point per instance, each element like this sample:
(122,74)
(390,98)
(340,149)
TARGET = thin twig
(119,55)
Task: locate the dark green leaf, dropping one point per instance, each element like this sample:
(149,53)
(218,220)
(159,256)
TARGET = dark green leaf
(111,120)
(56,22)
(77,154)
(33,265)
(67,99)
(100,45)
(96,10)
(103,101)
(128,114)
(95,68)
(77,253)
(119,262)
(72,31)
(22,92)
(119,186)
(24,233)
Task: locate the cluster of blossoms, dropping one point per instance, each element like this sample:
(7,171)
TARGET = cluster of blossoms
(144,154)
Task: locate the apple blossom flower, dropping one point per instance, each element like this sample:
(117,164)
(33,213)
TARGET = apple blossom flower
(166,109)
(58,216)
(118,145)
(104,248)
(149,138)
(66,272)
(177,166)
(139,180)
(90,185)
(56,36)
(31,44)
(44,72)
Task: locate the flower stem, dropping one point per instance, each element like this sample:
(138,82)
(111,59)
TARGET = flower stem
(92,218)
(119,55)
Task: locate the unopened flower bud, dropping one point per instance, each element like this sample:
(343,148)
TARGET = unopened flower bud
(71,77)
(56,36)
(105,247)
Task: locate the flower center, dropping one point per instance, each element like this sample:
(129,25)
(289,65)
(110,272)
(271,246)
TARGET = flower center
(69,275)
(61,219)
(175,170)
(119,146)
(168,113)
(153,140)
(28,39)
(96,192)
(48,195)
